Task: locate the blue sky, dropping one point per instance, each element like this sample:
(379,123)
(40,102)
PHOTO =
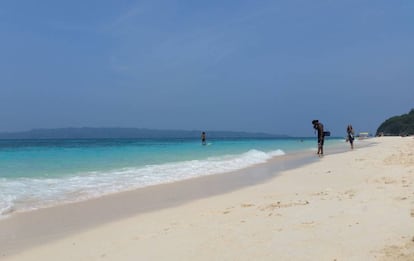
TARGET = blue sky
(269,66)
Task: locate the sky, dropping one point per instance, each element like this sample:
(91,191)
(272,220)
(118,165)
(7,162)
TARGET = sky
(256,66)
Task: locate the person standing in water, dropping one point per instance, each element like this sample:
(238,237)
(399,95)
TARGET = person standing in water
(350,138)
(203,138)
(321,136)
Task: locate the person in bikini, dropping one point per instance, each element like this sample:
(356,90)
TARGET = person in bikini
(350,132)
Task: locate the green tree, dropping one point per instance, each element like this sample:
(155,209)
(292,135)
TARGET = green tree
(398,125)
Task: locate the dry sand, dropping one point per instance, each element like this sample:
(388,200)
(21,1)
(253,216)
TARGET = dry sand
(357,205)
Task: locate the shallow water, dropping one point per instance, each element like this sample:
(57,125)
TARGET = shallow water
(40,173)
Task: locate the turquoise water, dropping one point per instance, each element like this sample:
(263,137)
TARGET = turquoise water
(40,173)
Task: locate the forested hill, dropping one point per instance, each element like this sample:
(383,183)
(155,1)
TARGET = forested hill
(402,125)
(127,133)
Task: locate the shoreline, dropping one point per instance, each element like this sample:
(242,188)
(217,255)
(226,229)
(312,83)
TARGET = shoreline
(205,205)
(80,185)
(294,156)
(22,230)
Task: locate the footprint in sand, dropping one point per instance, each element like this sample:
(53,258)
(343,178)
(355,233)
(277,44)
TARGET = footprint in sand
(247,205)
(399,252)
(350,193)
(385,180)
(401,198)
(306,224)
(284,205)
(227,210)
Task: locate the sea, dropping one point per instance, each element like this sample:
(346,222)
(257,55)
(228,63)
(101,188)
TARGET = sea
(43,173)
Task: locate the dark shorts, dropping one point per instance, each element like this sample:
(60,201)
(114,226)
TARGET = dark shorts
(320,141)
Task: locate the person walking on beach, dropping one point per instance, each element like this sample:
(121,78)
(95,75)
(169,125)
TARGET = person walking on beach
(203,138)
(321,136)
(350,138)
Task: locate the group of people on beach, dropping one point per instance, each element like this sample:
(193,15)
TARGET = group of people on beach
(318,126)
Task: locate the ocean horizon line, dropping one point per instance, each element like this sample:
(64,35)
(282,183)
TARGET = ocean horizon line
(126,132)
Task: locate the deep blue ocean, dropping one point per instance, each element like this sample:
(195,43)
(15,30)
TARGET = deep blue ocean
(42,173)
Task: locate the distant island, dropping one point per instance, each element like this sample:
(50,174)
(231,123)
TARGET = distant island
(127,133)
(402,125)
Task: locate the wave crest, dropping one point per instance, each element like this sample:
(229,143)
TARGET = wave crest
(28,193)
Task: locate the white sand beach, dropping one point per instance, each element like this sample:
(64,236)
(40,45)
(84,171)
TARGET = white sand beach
(357,205)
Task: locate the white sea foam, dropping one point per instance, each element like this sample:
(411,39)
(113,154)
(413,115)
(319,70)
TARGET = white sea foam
(6,205)
(29,193)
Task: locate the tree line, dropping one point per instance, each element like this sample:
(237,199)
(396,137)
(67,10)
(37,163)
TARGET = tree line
(402,125)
